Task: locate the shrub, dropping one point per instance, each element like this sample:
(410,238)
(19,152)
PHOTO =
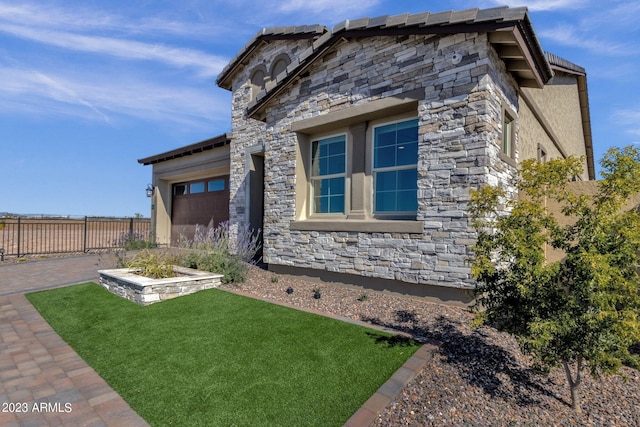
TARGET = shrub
(222,262)
(212,251)
(134,241)
(153,265)
(580,312)
(217,238)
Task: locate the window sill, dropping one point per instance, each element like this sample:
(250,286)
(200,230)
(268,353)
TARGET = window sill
(364,226)
(508,160)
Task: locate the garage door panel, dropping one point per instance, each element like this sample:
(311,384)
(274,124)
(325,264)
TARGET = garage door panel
(203,208)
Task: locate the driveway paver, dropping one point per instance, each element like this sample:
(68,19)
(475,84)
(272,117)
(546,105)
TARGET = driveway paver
(43,382)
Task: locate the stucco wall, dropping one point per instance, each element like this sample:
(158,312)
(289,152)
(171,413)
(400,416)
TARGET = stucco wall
(559,104)
(531,134)
(205,164)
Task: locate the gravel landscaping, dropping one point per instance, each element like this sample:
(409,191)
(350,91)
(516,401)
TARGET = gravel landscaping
(478,377)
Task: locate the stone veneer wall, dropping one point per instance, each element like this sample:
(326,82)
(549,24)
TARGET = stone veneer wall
(145,291)
(249,133)
(459,130)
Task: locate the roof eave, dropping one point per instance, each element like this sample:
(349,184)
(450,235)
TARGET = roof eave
(510,30)
(583,96)
(264,36)
(198,147)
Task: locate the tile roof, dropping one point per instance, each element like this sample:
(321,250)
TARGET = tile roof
(265,34)
(510,30)
(198,147)
(562,63)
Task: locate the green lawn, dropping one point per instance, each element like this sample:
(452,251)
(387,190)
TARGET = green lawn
(218,359)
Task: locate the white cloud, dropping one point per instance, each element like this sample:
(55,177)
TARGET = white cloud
(101,21)
(630,120)
(323,11)
(613,17)
(339,7)
(544,5)
(206,65)
(105,66)
(107,98)
(569,35)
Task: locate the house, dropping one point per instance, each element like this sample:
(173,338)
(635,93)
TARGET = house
(191,187)
(354,148)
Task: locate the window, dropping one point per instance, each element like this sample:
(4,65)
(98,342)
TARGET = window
(196,187)
(542,154)
(279,65)
(258,80)
(395,170)
(216,185)
(508,134)
(205,185)
(360,176)
(328,173)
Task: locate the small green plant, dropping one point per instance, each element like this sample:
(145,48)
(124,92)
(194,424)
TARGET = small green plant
(316,293)
(581,312)
(22,259)
(274,279)
(211,251)
(132,241)
(231,266)
(153,265)
(363,297)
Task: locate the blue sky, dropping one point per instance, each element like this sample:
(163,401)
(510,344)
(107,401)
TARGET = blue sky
(88,87)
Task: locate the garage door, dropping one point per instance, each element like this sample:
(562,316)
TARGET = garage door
(201,202)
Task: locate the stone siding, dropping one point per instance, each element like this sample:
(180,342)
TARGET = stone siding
(249,133)
(459,132)
(145,291)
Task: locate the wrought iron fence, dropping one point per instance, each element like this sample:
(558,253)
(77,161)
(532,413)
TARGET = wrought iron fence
(21,236)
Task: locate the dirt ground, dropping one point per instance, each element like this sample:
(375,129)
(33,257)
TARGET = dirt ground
(52,236)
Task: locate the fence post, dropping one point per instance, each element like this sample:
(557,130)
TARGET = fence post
(130,227)
(84,246)
(18,254)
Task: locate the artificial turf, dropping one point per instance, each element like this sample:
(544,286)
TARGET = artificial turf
(218,359)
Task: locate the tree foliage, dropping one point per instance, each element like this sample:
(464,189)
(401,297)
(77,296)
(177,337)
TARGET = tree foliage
(582,311)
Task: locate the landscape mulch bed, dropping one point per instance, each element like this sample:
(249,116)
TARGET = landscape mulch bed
(477,378)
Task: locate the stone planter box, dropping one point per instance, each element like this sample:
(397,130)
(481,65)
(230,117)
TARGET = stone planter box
(142,290)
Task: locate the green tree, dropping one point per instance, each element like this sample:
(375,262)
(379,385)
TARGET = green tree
(580,312)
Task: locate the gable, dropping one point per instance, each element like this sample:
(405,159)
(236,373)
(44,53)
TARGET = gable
(509,29)
(263,37)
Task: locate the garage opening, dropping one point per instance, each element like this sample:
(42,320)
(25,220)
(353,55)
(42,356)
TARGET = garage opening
(203,202)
